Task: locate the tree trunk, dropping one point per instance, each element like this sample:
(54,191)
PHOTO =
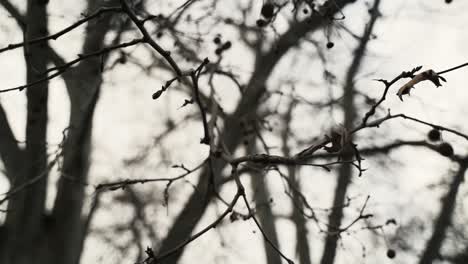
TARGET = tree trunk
(443,221)
(302,242)
(346,170)
(23,224)
(83,84)
(261,196)
(31,235)
(335,217)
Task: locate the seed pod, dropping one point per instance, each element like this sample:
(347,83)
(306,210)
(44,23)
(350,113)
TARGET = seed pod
(261,23)
(391,253)
(268,10)
(226,45)
(445,149)
(434,135)
(123,58)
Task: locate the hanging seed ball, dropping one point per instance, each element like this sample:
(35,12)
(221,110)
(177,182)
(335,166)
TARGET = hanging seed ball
(123,58)
(391,253)
(330,45)
(227,45)
(305,11)
(217,40)
(268,10)
(445,149)
(434,135)
(448,1)
(261,23)
(218,51)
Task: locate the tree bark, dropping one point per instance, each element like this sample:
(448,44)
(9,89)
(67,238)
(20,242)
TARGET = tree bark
(30,235)
(346,170)
(267,219)
(83,84)
(443,221)
(23,224)
(302,242)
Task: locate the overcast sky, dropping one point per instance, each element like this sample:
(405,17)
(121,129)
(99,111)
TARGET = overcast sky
(411,33)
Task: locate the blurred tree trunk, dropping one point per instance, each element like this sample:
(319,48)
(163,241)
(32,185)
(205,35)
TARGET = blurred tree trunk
(302,243)
(345,171)
(263,211)
(443,221)
(231,134)
(335,217)
(23,225)
(30,234)
(83,84)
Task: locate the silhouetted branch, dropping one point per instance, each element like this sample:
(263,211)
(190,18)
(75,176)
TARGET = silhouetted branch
(112,186)
(63,68)
(64,31)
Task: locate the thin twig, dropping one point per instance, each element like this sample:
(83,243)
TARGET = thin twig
(452,69)
(112,186)
(63,68)
(62,32)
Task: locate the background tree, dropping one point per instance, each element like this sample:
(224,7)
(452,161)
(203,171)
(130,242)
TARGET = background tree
(260,104)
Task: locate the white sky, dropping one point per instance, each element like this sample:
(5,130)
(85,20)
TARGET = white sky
(411,33)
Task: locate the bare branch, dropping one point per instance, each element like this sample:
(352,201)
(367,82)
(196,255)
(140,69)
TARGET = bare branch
(62,32)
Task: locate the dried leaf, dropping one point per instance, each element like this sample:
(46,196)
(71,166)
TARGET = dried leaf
(338,138)
(423,76)
(335,139)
